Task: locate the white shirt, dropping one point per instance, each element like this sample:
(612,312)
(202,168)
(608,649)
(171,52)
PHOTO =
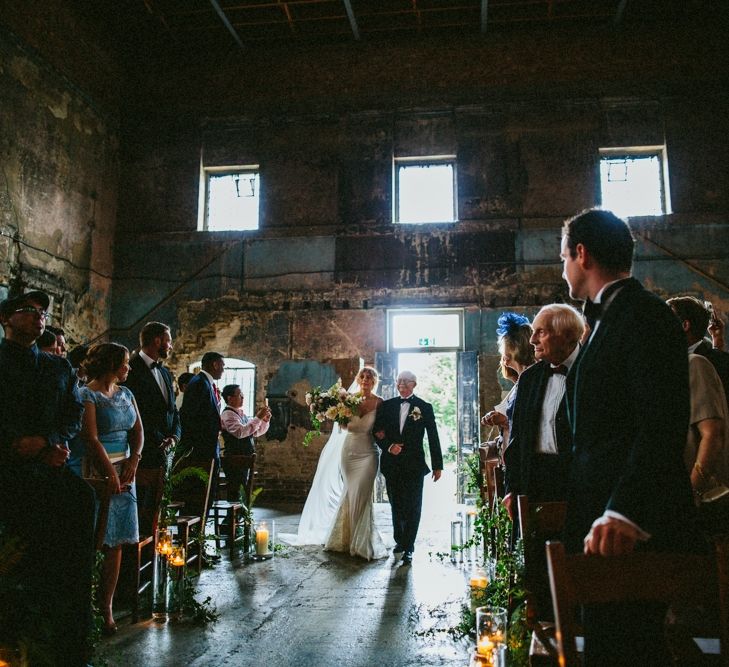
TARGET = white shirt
(404,409)
(156,372)
(553,395)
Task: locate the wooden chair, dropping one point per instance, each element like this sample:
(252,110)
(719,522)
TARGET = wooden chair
(675,579)
(103,496)
(196,498)
(139,557)
(230,513)
(539,523)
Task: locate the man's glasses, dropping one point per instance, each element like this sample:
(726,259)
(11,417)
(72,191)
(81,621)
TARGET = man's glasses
(399,382)
(32,309)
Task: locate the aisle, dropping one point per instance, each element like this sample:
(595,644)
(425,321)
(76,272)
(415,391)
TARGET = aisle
(313,608)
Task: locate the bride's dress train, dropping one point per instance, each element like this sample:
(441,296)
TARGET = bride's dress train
(324,496)
(353,530)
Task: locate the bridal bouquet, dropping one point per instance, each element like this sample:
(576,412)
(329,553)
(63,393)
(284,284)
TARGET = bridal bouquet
(335,404)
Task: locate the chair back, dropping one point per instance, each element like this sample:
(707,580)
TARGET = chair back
(150,487)
(103,496)
(538,523)
(191,489)
(245,465)
(681,579)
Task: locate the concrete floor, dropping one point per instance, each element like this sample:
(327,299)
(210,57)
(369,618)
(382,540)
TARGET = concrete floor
(310,607)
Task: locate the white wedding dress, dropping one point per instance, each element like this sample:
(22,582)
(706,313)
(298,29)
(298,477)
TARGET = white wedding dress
(353,530)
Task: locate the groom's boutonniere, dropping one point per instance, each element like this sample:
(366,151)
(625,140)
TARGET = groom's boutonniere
(416,414)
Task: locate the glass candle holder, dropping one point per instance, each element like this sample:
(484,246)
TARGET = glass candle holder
(490,634)
(163,549)
(457,540)
(262,544)
(176,583)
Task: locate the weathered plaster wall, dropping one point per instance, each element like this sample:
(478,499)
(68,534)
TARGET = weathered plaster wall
(525,116)
(58,189)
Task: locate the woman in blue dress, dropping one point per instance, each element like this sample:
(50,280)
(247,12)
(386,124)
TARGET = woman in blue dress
(113,436)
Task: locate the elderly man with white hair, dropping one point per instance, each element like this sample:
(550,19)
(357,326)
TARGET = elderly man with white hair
(400,426)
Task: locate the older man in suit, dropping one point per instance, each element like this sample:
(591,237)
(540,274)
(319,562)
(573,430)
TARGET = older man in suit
(400,426)
(537,458)
(151,384)
(629,412)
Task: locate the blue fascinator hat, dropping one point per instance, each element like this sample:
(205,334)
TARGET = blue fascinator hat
(510,323)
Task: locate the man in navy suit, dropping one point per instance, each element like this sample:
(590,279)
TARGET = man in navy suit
(400,425)
(200,412)
(151,384)
(629,413)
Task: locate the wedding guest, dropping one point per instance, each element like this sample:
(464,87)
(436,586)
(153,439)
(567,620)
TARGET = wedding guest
(151,384)
(238,433)
(47,342)
(42,503)
(695,319)
(60,335)
(629,414)
(113,435)
(76,358)
(537,458)
(517,353)
(200,414)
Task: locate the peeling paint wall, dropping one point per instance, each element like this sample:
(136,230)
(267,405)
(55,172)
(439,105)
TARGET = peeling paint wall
(58,190)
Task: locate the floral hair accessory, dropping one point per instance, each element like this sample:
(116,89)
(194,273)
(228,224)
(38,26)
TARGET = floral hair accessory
(416,414)
(510,323)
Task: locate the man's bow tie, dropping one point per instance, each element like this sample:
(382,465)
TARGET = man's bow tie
(156,364)
(592,312)
(404,400)
(558,370)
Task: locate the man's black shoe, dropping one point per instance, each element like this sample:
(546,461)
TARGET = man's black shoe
(398,549)
(407,557)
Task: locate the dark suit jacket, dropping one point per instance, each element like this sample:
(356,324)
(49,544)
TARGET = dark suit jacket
(629,413)
(719,360)
(525,427)
(412,458)
(160,417)
(200,419)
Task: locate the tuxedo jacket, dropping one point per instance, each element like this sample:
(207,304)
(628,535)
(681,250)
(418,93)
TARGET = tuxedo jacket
(411,459)
(524,433)
(200,419)
(719,360)
(160,417)
(629,413)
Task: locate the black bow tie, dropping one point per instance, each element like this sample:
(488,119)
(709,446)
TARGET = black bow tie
(156,364)
(405,400)
(558,370)
(592,312)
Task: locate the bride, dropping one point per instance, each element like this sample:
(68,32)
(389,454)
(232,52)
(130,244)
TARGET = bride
(354,529)
(338,510)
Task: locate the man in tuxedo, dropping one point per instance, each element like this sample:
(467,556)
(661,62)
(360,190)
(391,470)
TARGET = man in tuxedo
(537,458)
(43,504)
(200,412)
(629,413)
(695,322)
(400,425)
(151,384)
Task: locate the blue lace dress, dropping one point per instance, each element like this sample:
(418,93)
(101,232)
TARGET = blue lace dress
(115,417)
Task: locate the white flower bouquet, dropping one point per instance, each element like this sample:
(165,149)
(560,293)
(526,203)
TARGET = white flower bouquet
(335,404)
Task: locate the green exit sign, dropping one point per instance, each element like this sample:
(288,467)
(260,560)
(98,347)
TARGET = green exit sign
(426,342)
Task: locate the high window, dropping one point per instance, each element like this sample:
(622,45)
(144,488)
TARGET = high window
(231,198)
(634,181)
(425,190)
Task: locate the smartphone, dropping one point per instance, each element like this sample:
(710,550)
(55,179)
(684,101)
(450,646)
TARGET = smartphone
(712,315)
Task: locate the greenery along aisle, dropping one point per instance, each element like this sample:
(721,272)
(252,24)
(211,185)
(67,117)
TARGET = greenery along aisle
(494,530)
